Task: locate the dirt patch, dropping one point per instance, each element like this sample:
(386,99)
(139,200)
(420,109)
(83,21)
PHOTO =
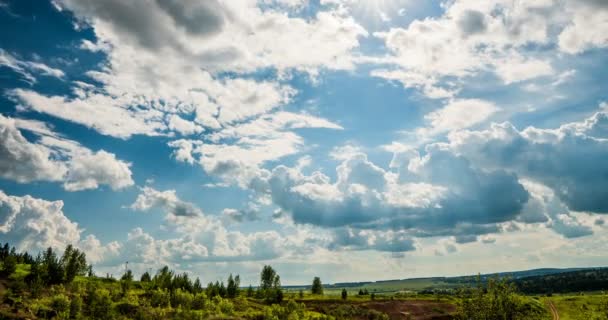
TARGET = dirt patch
(395,309)
(415,309)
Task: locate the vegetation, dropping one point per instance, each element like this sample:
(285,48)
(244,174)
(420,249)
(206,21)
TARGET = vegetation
(574,281)
(61,285)
(317,287)
(591,306)
(497,300)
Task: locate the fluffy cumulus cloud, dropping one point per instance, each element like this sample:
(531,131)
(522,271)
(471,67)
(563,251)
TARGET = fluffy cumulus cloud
(449,188)
(566,159)
(31,223)
(34,224)
(190,44)
(150,198)
(54,158)
(470,38)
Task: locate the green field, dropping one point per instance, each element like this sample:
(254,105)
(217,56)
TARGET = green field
(587,306)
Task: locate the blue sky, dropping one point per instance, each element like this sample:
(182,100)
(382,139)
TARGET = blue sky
(444,138)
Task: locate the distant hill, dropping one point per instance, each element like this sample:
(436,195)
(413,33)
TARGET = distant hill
(529,281)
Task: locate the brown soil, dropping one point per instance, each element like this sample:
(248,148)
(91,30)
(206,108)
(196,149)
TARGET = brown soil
(396,309)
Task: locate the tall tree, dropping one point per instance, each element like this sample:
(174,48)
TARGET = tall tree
(197,287)
(53,271)
(74,262)
(317,286)
(267,277)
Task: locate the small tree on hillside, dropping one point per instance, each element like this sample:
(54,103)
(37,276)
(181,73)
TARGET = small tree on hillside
(317,286)
(74,262)
(344,294)
(270,285)
(267,278)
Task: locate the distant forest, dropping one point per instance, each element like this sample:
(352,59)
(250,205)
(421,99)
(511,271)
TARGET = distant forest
(574,281)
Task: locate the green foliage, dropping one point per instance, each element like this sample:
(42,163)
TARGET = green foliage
(100,304)
(160,298)
(74,263)
(317,286)
(145,277)
(9,265)
(268,278)
(232,289)
(182,299)
(75,307)
(344,294)
(250,291)
(61,305)
(497,300)
(226,307)
(199,301)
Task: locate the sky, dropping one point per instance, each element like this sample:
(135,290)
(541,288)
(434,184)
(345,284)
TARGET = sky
(351,140)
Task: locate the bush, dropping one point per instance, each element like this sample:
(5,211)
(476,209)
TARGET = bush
(75,307)
(182,299)
(160,298)
(199,302)
(224,306)
(61,305)
(100,305)
(9,266)
(127,309)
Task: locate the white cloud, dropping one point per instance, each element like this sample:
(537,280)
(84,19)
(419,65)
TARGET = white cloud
(26,67)
(35,224)
(436,53)
(457,114)
(235,153)
(54,158)
(88,170)
(150,198)
(587,29)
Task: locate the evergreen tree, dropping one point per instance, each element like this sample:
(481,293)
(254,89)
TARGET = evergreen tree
(344,294)
(53,271)
(232,289)
(74,263)
(9,265)
(197,287)
(145,277)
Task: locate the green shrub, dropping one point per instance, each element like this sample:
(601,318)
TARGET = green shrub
(182,299)
(61,305)
(160,298)
(100,305)
(75,307)
(224,306)
(199,302)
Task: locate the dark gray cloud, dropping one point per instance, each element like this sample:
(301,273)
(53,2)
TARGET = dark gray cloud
(347,238)
(151,24)
(472,22)
(569,160)
(196,17)
(360,198)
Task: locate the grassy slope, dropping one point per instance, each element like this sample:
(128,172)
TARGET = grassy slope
(579,307)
